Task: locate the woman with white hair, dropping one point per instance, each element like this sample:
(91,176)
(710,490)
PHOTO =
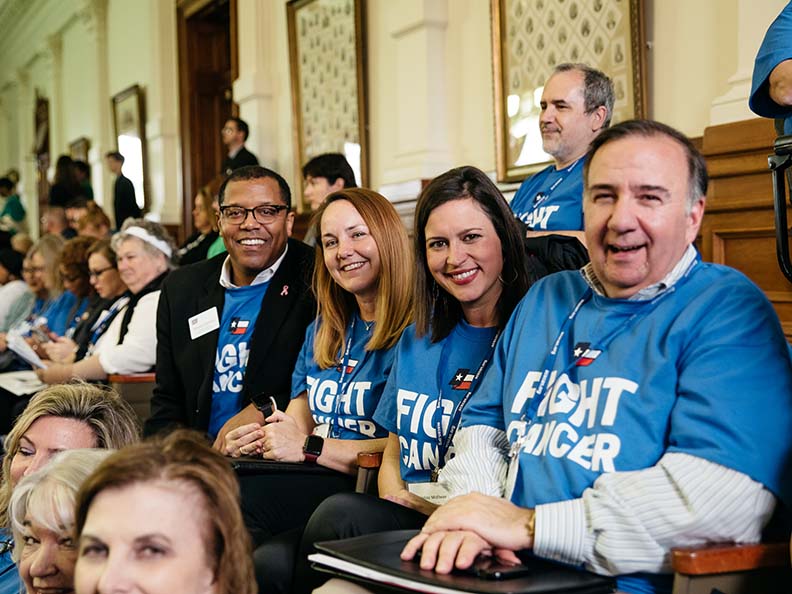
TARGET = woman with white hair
(128,342)
(42,519)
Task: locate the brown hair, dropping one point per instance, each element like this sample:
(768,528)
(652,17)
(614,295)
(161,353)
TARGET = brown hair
(394,300)
(112,420)
(184,457)
(94,216)
(74,259)
(103,248)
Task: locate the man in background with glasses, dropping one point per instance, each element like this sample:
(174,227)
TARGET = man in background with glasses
(231,327)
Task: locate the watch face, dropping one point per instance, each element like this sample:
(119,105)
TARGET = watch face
(313,445)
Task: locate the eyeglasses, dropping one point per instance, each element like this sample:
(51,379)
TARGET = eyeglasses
(97,273)
(69,277)
(266,213)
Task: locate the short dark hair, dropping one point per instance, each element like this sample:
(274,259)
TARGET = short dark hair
(698,180)
(435,309)
(597,88)
(82,167)
(241,125)
(6,184)
(115,155)
(331,166)
(252,172)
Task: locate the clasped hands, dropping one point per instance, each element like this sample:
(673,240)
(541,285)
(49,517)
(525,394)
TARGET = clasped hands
(278,439)
(469,526)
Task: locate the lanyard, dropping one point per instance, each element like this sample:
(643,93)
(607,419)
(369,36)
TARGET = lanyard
(549,364)
(343,381)
(542,196)
(100,325)
(444,443)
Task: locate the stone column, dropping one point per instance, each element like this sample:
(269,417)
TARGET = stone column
(753,19)
(27,188)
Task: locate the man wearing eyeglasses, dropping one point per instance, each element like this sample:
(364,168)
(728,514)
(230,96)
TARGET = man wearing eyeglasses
(231,327)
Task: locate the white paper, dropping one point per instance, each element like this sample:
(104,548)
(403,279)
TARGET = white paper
(21,383)
(17,344)
(203,323)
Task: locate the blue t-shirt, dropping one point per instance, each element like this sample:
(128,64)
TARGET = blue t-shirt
(552,200)
(776,47)
(10,583)
(240,310)
(706,372)
(61,315)
(424,372)
(364,379)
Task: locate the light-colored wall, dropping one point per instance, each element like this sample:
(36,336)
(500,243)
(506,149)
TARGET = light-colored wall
(429,89)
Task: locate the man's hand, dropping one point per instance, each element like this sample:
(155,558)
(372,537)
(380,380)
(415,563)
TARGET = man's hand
(413,501)
(447,538)
(243,441)
(780,80)
(283,439)
(249,414)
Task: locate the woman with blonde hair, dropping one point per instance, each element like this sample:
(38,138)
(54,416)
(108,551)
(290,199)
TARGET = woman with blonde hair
(180,499)
(58,418)
(42,520)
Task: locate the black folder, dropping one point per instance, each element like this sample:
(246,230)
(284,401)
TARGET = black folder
(374,560)
(249,465)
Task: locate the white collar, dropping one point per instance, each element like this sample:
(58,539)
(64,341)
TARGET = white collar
(262,277)
(668,281)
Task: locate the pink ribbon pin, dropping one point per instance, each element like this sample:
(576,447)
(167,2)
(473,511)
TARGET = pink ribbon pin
(285,291)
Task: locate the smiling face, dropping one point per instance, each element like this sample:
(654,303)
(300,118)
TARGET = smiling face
(157,546)
(46,565)
(105,277)
(254,246)
(136,265)
(464,255)
(565,126)
(45,437)
(350,252)
(635,209)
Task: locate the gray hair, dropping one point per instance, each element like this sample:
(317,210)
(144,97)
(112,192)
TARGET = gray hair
(154,229)
(48,495)
(597,88)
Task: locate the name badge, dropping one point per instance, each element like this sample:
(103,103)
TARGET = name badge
(433,492)
(322,430)
(203,323)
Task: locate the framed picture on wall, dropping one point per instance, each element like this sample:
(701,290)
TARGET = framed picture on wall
(78,149)
(530,38)
(328,75)
(129,122)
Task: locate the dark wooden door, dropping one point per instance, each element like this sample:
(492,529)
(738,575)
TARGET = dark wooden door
(42,152)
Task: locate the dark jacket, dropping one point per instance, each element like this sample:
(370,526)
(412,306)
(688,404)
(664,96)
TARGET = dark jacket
(124,202)
(185,367)
(243,158)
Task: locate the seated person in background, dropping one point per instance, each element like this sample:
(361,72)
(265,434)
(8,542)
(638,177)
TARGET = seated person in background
(58,418)
(129,343)
(54,221)
(184,494)
(12,214)
(633,414)
(42,520)
(471,272)
(21,242)
(576,105)
(323,175)
(342,368)
(252,305)
(196,246)
(94,223)
(12,288)
(75,210)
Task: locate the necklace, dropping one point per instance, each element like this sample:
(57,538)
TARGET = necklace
(368,325)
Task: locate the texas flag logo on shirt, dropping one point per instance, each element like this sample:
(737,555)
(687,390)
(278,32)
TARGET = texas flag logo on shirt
(238,326)
(584,355)
(351,364)
(462,379)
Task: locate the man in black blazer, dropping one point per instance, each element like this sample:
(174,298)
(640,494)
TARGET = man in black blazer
(124,202)
(234,134)
(231,328)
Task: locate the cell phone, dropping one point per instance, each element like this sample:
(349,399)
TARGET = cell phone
(489,568)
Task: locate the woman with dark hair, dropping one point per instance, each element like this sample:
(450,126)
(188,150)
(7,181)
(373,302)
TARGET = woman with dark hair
(471,272)
(196,246)
(65,186)
(178,500)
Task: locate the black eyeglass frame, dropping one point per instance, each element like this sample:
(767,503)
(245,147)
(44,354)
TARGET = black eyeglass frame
(267,218)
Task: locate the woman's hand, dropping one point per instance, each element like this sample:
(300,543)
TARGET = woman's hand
(55,374)
(283,440)
(243,441)
(60,349)
(413,501)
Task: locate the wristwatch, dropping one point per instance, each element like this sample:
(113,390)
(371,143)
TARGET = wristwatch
(312,448)
(264,403)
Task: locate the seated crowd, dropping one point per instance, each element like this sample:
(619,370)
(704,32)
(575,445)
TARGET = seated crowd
(597,416)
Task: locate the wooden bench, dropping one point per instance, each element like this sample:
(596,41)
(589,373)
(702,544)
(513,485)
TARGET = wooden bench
(136,389)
